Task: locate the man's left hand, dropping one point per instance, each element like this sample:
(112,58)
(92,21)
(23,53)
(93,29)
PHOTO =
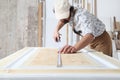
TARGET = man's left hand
(68,49)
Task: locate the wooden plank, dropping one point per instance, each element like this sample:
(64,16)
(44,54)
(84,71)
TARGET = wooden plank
(48,57)
(89,7)
(67,34)
(63,71)
(95,7)
(83,3)
(114,19)
(41,58)
(117,42)
(40,23)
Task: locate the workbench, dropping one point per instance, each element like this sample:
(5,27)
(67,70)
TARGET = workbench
(38,63)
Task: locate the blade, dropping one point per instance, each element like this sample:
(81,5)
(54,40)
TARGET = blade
(59,59)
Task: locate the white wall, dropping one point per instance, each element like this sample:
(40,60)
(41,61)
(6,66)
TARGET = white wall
(106,9)
(51,23)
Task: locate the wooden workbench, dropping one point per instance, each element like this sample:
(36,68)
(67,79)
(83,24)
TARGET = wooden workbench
(36,63)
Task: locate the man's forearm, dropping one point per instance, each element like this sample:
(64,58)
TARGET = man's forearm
(59,26)
(88,38)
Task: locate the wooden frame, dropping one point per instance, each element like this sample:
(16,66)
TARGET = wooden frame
(93,66)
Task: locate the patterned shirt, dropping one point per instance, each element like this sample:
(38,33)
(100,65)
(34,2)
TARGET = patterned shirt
(86,22)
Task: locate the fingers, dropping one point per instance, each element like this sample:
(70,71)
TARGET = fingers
(63,49)
(57,37)
(68,49)
(73,50)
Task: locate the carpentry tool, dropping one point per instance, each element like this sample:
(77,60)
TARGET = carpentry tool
(59,60)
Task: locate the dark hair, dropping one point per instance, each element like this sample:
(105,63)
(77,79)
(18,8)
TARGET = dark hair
(71,8)
(64,20)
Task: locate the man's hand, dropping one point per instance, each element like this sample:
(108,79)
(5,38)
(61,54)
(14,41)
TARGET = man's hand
(56,36)
(68,49)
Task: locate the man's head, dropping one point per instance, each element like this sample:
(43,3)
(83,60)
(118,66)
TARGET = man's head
(62,9)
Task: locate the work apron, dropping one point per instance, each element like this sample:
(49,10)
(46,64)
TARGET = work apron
(102,43)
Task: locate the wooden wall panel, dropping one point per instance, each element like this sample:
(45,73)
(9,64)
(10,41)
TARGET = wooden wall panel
(40,23)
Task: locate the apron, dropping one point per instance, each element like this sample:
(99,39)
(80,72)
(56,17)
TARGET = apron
(103,44)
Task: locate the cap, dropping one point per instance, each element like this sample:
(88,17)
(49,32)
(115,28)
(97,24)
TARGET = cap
(62,9)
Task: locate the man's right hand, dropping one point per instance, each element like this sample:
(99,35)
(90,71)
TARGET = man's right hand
(56,36)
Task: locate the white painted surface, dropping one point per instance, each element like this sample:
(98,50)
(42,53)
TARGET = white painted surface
(104,64)
(21,59)
(118,52)
(69,76)
(114,50)
(60,76)
(106,9)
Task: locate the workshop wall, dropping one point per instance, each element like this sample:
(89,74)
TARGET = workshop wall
(18,25)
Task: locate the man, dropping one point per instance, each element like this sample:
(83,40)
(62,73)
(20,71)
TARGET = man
(84,24)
